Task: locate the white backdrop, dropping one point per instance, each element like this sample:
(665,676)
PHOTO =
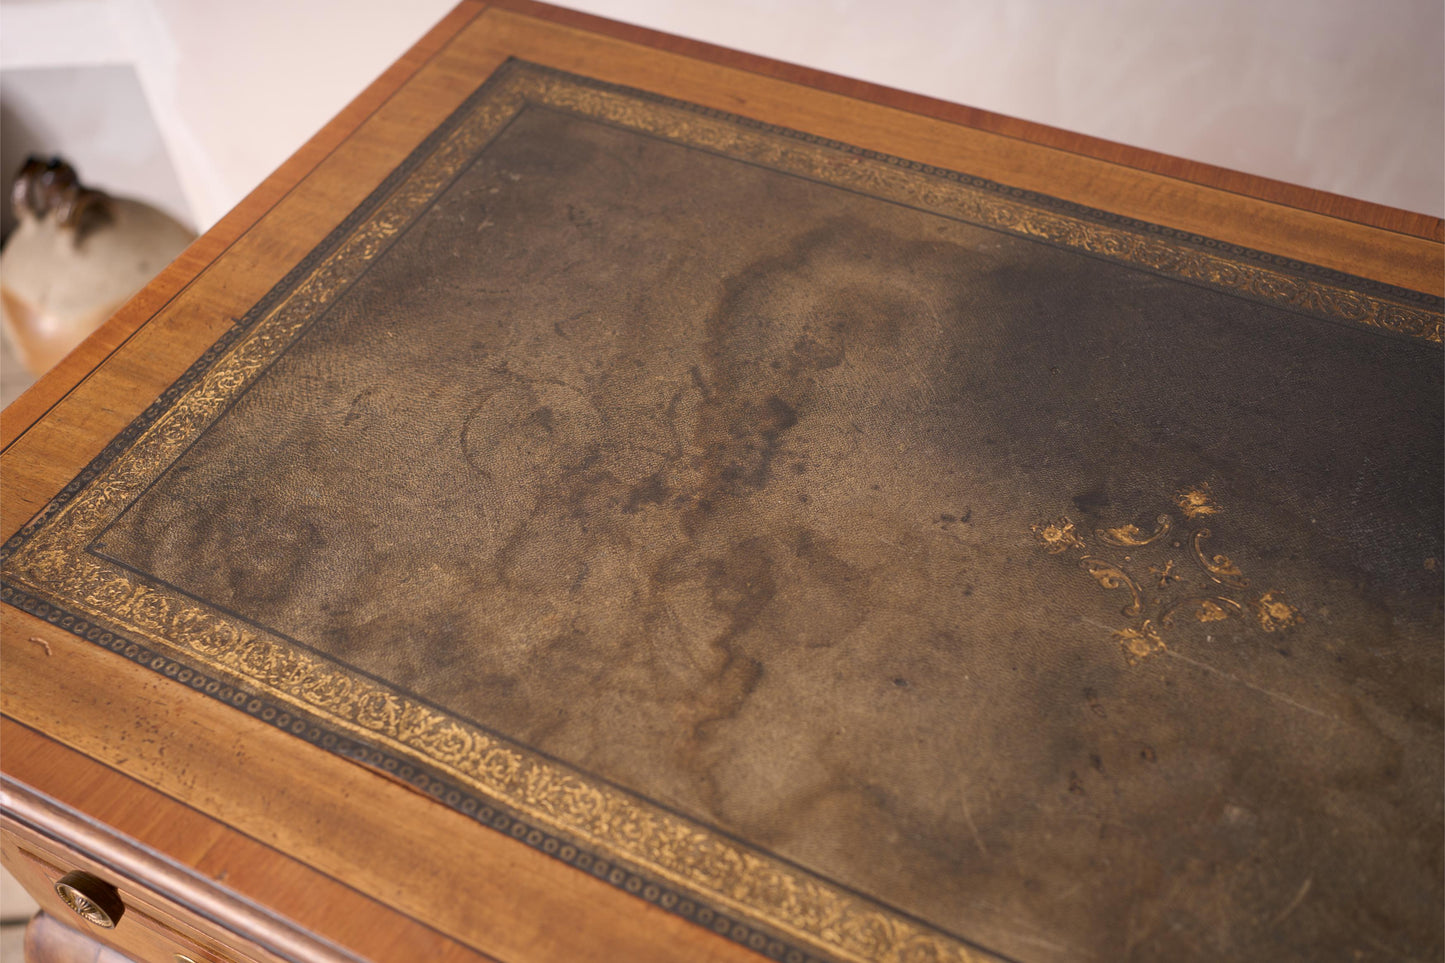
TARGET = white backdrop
(1343,95)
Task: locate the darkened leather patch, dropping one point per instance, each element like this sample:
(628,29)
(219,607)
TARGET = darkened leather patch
(857,558)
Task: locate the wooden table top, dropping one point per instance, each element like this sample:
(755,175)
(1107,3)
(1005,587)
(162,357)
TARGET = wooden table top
(368,862)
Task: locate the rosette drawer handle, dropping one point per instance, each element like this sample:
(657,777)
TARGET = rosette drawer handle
(94,900)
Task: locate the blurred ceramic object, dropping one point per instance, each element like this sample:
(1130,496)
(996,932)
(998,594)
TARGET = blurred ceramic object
(76,256)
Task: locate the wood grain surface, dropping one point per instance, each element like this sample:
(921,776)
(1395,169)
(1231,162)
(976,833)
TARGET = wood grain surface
(1248,185)
(144,931)
(283,821)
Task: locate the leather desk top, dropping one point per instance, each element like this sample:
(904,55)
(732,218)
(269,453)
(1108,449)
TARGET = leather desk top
(759,521)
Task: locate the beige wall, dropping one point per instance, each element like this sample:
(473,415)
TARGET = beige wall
(1341,95)
(99,118)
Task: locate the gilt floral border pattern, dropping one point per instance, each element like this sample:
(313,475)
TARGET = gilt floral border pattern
(773,906)
(1237,270)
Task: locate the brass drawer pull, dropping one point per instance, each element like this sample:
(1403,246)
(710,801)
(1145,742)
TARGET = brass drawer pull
(93,899)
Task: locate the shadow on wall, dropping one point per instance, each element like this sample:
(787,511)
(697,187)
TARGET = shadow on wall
(99,120)
(17,139)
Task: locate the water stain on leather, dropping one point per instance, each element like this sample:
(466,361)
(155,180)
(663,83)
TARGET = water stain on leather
(717,483)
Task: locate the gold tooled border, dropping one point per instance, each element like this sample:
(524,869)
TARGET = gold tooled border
(48,570)
(1237,270)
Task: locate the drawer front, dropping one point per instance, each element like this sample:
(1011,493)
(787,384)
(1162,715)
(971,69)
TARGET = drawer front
(149,927)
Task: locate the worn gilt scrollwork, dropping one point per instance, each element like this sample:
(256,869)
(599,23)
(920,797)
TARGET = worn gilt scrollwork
(1275,614)
(1140,641)
(1057,537)
(1179,598)
(1196,502)
(1111,576)
(1130,536)
(1217,567)
(1215,609)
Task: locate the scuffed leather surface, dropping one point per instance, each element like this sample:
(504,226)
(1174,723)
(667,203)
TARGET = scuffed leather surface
(718,483)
